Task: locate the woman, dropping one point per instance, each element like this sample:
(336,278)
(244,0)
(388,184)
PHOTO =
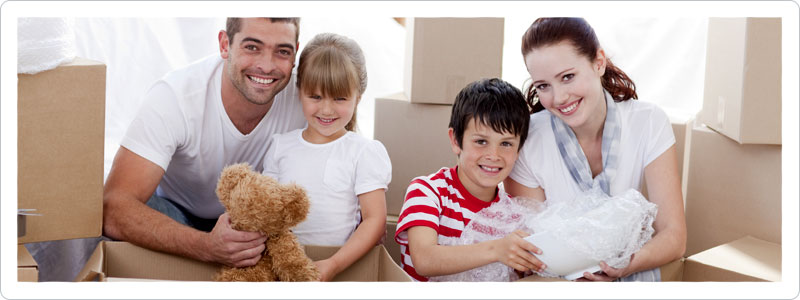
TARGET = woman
(586,131)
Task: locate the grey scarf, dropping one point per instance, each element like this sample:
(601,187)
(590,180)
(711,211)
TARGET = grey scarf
(576,160)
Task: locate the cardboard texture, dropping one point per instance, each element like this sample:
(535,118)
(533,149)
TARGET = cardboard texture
(742,96)
(746,259)
(61,115)
(418,147)
(733,190)
(124,261)
(391,245)
(445,54)
(27,268)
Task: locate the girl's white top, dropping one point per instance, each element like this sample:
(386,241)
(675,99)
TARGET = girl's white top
(333,174)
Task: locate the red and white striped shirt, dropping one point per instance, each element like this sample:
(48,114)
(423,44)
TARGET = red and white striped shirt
(438,201)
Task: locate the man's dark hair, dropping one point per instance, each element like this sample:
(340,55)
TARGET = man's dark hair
(234,25)
(494,103)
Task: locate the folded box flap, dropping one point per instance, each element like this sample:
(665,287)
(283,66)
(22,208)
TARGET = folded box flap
(94,266)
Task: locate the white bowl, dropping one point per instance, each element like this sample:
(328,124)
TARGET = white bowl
(560,258)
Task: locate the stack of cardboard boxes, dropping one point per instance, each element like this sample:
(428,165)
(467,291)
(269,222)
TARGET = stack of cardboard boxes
(733,158)
(442,56)
(61,117)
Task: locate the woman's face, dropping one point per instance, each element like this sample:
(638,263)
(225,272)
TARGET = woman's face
(568,84)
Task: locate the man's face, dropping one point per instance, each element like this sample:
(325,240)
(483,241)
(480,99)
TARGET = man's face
(260,58)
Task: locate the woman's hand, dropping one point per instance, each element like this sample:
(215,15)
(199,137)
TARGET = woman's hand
(607,274)
(326,268)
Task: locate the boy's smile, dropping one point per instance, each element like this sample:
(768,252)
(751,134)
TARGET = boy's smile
(485,158)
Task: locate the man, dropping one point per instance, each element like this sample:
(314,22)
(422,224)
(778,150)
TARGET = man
(195,121)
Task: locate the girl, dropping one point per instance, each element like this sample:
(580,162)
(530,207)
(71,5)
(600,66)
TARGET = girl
(585,131)
(345,174)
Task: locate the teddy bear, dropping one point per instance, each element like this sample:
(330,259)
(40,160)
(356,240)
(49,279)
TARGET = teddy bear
(258,203)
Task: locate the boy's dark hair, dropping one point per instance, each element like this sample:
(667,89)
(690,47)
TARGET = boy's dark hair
(494,103)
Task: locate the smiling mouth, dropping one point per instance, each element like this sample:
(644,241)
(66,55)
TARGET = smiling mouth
(569,109)
(260,80)
(490,169)
(326,121)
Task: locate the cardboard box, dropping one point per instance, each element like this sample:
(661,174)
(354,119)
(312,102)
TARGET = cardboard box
(123,261)
(27,269)
(742,97)
(445,54)
(391,245)
(745,259)
(415,136)
(733,190)
(61,118)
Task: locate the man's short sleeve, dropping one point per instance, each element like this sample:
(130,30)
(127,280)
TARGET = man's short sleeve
(158,129)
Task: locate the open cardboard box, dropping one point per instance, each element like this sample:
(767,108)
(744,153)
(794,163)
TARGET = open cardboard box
(745,259)
(122,261)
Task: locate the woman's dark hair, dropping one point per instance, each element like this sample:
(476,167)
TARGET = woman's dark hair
(550,31)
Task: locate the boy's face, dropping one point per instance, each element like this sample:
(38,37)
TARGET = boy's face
(485,158)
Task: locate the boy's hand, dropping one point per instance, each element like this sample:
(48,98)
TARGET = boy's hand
(515,252)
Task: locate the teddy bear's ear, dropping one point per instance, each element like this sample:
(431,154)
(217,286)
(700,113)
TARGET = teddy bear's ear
(229,178)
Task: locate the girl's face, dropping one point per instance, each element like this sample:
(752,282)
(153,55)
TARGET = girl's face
(326,115)
(568,84)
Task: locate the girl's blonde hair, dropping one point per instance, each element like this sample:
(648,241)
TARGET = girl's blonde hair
(335,65)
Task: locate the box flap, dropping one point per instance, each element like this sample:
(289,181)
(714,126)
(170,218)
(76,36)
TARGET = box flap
(127,260)
(94,265)
(24,258)
(121,261)
(672,271)
(746,259)
(388,270)
(61,126)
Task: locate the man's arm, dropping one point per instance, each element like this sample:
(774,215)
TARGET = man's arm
(129,185)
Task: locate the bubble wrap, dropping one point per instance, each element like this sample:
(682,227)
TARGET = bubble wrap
(608,229)
(44,43)
(491,223)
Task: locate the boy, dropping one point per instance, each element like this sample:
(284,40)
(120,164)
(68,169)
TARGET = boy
(488,125)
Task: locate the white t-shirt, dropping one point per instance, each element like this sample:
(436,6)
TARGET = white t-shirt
(333,174)
(645,134)
(183,128)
